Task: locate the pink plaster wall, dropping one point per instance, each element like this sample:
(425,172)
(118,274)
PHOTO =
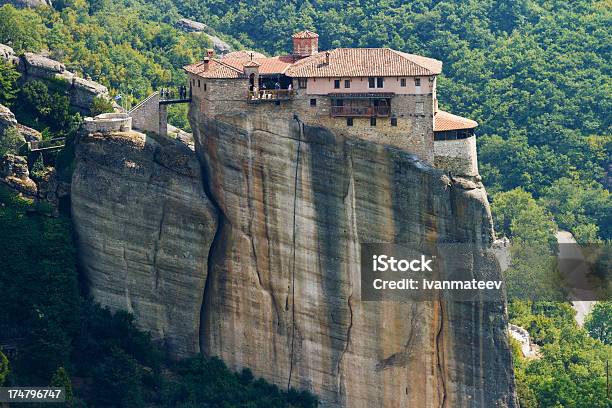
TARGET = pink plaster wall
(323,86)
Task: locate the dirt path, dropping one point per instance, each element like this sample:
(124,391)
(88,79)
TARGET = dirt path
(573,276)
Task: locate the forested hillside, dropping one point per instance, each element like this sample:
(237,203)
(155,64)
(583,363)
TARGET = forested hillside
(129,46)
(534,73)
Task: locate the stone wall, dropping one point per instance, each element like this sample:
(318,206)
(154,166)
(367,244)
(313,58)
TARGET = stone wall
(413,133)
(108,122)
(145,115)
(457,156)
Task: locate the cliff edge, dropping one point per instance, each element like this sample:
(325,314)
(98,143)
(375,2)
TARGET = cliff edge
(144,226)
(255,259)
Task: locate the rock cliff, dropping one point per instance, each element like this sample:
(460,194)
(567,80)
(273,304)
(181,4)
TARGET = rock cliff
(256,259)
(34,66)
(283,290)
(144,226)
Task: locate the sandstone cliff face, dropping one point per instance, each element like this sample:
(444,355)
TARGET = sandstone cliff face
(256,259)
(283,289)
(144,226)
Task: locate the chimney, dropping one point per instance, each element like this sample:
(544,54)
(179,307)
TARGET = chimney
(326,57)
(305,43)
(210,53)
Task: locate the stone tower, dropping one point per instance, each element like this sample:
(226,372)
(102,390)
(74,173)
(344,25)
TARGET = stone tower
(305,43)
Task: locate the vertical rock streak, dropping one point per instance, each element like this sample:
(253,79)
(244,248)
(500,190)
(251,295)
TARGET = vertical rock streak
(295,195)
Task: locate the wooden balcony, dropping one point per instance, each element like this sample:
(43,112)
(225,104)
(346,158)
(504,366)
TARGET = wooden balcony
(360,111)
(270,95)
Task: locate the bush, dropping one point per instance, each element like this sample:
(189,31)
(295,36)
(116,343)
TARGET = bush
(8,80)
(599,322)
(571,369)
(11,141)
(101,105)
(4,367)
(117,381)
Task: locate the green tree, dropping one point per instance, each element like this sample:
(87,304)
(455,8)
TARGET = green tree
(581,207)
(62,379)
(101,105)
(21,29)
(11,141)
(4,367)
(517,215)
(118,381)
(599,322)
(8,80)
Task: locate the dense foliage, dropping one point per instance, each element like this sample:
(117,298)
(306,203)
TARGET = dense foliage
(46,107)
(599,322)
(571,371)
(62,336)
(127,45)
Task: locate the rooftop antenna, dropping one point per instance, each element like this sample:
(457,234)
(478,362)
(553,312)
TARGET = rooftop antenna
(251,56)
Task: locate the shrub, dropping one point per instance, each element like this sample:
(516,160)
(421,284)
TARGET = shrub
(8,80)
(11,141)
(101,105)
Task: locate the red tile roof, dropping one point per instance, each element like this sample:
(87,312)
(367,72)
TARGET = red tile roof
(267,66)
(447,121)
(343,62)
(251,63)
(362,62)
(305,34)
(214,69)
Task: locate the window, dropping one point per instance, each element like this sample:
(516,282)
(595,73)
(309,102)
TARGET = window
(198,83)
(337,102)
(349,121)
(347,83)
(372,121)
(313,102)
(419,107)
(302,83)
(393,121)
(204,86)
(379,82)
(403,82)
(336,84)
(417,81)
(371,82)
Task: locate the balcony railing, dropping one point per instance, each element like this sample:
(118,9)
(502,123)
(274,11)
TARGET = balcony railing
(357,111)
(270,95)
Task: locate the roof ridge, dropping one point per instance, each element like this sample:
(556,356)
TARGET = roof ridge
(405,56)
(218,61)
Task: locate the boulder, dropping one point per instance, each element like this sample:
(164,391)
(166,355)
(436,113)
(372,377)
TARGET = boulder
(7,119)
(14,173)
(191,26)
(27,3)
(144,226)
(7,54)
(41,66)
